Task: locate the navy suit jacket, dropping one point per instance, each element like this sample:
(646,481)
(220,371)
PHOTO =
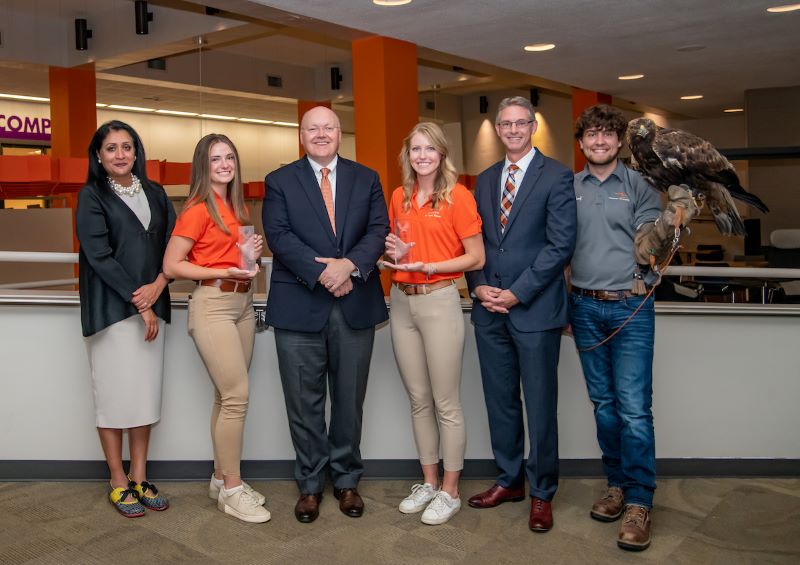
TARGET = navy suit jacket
(529,257)
(297,229)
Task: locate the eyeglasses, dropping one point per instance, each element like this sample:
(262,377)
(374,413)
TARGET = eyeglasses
(519,123)
(314,130)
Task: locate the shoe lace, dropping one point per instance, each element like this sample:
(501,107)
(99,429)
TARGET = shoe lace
(419,492)
(439,503)
(636,515)
(538,504)
(248,499)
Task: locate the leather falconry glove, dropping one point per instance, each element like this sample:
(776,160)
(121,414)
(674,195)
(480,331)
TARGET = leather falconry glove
(655,240)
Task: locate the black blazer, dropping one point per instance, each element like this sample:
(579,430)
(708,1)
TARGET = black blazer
(530,255)
(297,229)
(118,255)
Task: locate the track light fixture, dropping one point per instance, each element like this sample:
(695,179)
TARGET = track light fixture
(82,34)
(336,78)
(143,17)
(484,104)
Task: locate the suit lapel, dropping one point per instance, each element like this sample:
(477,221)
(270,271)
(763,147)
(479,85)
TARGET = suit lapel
(345,177)
(308,182)
(494,195)
(525,188)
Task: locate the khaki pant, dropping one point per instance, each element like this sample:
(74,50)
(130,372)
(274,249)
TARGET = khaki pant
(222,325)
(428,341)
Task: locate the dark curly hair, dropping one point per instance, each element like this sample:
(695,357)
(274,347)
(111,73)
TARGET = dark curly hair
(602,117)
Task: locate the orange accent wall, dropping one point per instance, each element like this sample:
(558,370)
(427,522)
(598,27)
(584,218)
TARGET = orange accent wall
(73,113)
(304,106)
(582,99)
(386,106)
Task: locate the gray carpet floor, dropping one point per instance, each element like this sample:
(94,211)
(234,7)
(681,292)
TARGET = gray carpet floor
(700,520)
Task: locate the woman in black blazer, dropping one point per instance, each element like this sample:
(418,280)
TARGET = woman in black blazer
(123,223)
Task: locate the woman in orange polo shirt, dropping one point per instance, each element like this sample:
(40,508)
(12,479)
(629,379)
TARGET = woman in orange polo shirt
(436,236)
(205,247)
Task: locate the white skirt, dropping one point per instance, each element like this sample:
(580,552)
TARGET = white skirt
(127,373)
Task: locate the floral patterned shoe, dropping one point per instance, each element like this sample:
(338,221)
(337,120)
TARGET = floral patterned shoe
(147,493)
(126,502)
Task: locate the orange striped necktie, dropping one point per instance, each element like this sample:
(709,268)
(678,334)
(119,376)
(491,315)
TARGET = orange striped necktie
(509,192)
(327,196)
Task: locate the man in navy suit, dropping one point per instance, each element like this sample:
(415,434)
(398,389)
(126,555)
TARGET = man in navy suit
(527,203)
(325,221)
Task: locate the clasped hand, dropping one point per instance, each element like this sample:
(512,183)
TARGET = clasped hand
(336,276)
(496,299)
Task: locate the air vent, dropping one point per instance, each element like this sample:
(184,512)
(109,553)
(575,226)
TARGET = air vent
(274,81)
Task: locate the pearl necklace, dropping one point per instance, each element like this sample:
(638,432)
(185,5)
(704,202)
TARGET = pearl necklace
(130,191)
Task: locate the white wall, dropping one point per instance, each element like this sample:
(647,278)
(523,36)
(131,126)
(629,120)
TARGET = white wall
(725,387)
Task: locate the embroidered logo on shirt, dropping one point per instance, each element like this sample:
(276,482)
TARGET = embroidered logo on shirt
(620,196)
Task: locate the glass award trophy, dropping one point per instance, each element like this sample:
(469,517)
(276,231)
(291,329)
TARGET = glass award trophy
(403,252)
(247,254)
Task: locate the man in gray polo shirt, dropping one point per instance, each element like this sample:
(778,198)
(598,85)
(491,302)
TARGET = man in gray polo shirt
(614,203)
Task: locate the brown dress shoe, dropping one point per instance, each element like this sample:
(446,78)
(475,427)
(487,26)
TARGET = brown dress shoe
(350,502)
(541,519)
(609,508)
(307,508)
(496,495)
(634,532)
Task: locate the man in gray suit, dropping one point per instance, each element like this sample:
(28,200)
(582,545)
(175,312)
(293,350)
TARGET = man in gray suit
(527,203)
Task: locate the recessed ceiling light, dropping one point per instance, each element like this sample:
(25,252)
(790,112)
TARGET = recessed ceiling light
(391,2)
(289,124)
(255,121)
(630,77)
(21,97)
(216,117)
(131,108)
(692,97)
(732,110)
(462,78)
(176,113)
(693,47)
(540,47)
(784,8)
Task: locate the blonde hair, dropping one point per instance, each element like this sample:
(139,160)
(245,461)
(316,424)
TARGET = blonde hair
(200,190)
(446,176)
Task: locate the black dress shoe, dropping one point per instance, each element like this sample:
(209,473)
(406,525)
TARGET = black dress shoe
(307,508)
(350,502)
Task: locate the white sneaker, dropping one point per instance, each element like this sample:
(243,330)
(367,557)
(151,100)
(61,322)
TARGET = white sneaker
(441,509)
(216,485)
(419,498)
(241,504)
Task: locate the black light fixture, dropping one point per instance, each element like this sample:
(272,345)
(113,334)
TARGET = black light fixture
(484,104)
(82,34)
(336,78)
(534,97)
(143,17)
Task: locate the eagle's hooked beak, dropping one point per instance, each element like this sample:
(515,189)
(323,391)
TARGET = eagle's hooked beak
(641,131)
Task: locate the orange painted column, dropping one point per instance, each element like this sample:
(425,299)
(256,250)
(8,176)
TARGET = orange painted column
(304,106)
(73,118)
(582,99)
(73,113)
(386,106)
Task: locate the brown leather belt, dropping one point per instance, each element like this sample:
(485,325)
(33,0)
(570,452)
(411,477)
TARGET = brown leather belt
(412,289)
(603,294)
(227,285)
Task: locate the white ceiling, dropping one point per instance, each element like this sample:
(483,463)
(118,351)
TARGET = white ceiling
(598,40)
(745,47)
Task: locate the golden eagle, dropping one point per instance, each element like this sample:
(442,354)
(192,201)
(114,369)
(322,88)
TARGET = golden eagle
(668,157)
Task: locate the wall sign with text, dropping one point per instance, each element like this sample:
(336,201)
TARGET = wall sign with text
(28,128)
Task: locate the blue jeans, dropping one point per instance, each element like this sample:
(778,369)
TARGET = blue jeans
(619,379)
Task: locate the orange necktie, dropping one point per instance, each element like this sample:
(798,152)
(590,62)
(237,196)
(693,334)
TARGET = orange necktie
(327,196)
